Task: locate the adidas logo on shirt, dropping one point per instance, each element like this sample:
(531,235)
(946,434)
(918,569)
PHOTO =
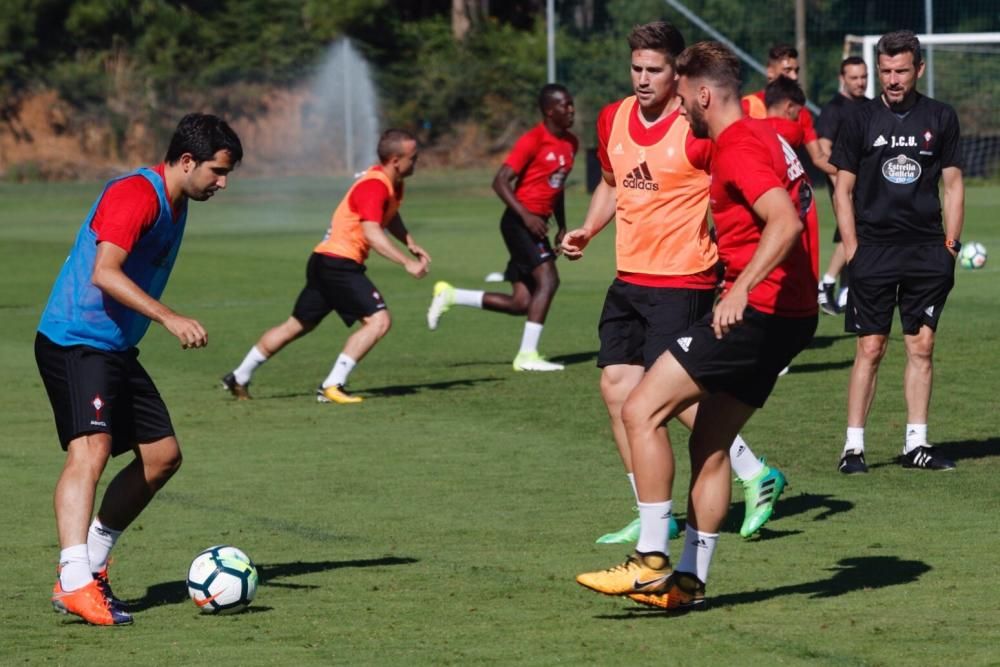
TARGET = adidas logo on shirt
(684,342)
(640,178)
(618,150)
(880,142)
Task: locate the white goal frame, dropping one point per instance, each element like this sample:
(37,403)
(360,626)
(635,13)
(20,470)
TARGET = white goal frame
(868,43)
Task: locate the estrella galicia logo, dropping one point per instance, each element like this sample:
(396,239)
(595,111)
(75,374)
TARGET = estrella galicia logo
(901,170)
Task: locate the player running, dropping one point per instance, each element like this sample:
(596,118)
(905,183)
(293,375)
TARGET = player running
(335,273)
(655,181)
(104,402)
(893,153)
(538,164)
(728,362)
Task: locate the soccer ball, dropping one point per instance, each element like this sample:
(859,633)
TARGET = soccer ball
(222,580)
(972,255)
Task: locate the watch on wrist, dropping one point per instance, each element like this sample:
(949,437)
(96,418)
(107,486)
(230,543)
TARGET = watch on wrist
(954,245)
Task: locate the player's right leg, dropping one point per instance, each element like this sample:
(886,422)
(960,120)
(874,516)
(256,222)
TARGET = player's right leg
(373,328)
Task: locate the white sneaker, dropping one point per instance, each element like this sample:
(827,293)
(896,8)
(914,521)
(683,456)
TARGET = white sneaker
(444,296)
(532,361)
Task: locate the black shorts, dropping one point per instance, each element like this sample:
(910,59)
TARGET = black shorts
(638,323)
(745,363)
(526,251)
(335,283)
(916,278)
(94,391)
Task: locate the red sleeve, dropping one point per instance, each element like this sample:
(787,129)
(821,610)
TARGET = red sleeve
(754,174)
(604,121)
(524,151)
(745,104)
(808,127)
(128,209)
(699,151)
(369,200)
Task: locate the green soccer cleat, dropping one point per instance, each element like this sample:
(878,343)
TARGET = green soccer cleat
(630,533)
(760,494)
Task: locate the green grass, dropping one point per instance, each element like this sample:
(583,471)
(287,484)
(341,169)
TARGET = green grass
(443,520)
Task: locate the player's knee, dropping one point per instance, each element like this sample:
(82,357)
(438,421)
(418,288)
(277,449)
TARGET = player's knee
(519,303)
(636,415)
(872,348)
(381,322)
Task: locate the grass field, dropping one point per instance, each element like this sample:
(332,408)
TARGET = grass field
(443,520)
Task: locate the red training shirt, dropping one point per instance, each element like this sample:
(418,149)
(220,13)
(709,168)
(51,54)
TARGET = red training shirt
(370,199)
(128,209)
(749,161)
(542,161)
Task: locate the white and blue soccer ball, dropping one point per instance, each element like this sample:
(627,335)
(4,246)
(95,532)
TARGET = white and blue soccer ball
(222,580)
(972,255)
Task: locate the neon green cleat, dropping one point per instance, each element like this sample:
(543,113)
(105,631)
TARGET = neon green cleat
(630,533)
(443,298)
(532,361)
(760,494)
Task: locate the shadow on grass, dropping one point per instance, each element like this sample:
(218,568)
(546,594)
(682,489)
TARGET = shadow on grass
(175,592)
(407,389)
(821,342)
(819,367)
(574,358)
(956,450)
(849,575)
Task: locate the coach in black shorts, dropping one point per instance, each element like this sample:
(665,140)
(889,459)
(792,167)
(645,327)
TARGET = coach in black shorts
(892,154)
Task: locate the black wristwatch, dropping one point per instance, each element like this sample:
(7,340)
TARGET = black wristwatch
(954,245)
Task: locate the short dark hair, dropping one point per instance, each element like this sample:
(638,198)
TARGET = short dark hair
(849,61)
(900,41)
(782,89)
(390,144)
(657,36)
(779,52)
(203,135)
(547,95)
(712,61)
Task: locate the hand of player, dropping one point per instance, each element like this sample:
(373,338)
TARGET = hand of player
(416,268)
(419,252)
(560,234)
(729,311)
(536,225)
(188,331)
(573,243)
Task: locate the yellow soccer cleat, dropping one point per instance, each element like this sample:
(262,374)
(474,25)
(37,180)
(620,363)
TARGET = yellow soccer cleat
(638,574)
(336,393)
(681,591)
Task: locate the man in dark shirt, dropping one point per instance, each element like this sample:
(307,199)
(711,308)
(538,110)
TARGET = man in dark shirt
(853,83)
(891,155)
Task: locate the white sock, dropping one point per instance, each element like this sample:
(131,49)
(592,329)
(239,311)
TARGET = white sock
(699,548)
(828,280)
(855,439)
(341,370)
(74,567)
(529,339)
(916,436)
(245,370)
(745,463)
(654,527)
(469,297)
(100,541)
(635,491)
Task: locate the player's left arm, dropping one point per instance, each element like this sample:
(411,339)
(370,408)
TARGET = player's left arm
(782,227)
(559,213)
(954,202)
(399,230)
(819,157)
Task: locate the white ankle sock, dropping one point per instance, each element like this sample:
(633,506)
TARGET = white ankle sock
(250,363)
(828,279)
(529,339)
(916,436)
(340,372)
(745,463)
(699,548)
(74,567)
(855,439)
(100,541)
(469,297)
(654,528)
